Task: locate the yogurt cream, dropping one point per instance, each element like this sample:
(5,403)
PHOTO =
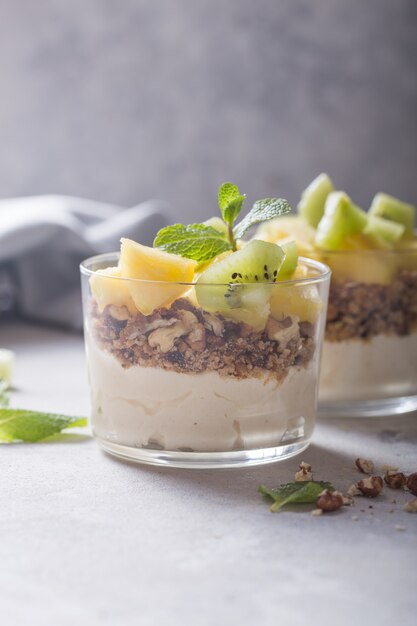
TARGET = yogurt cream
(383,366)
(148,407)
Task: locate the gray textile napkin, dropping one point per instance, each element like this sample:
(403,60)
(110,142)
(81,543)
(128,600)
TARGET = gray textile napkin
(44,238)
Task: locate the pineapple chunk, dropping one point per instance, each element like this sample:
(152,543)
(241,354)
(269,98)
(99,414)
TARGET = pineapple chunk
(284,228)
(108,288)
(302,301)
(150,264)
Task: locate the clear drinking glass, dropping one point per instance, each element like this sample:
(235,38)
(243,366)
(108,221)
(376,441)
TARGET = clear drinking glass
(369,364)
(189,387)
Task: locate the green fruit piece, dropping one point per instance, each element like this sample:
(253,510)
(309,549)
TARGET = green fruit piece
(387,230)
(341,219)
(311,205)
(392,209)
(290,262)
(240,285)
(217,223)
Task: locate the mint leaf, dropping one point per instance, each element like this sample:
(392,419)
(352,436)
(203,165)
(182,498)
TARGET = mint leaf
(262,211)
(299,492)
(4,396)
(31,426)
(230,202)
(227,193)
(233,209)
(195,241)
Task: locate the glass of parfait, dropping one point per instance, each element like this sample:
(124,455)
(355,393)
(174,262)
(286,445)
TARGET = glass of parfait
(369,364)
(203,367)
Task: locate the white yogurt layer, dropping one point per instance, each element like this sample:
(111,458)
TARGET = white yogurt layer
(152,407)
(381,367)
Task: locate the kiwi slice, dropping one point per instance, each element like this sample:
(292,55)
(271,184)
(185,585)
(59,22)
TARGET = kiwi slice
(341,219)
(290,262)
(313,199)
(392,209)
(242,282)
(386,230)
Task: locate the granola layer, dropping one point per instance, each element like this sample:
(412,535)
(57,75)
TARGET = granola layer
(359,310)
(184,338)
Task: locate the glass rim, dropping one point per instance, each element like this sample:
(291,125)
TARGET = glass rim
(323,270)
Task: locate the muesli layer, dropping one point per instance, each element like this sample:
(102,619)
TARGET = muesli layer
(184,338)
(360,311)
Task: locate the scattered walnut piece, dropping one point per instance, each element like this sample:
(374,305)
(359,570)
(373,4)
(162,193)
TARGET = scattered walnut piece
(412,483)
(304,472)
(329,500)
(395,480)
(317,512)
(371,487)
(353,491)
(365,466)
(411,506)
(347,500)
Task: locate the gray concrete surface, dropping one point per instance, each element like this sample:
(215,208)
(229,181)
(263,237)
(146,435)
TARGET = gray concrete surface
(89,540)
(122,101)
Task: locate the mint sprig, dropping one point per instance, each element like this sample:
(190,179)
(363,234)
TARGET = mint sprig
(195,241)
(299,492)
(202,242)
(18,425)
(262,211)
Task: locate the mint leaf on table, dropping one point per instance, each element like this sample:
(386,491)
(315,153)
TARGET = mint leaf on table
(31,426)
(4,395)
(299,492)
(195,241)
(262,211)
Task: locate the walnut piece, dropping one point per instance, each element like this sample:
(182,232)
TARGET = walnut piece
(371,487)
(164,338)
(395,480)
(317,512)
(329,501)
(119,313)
(412,483)
(411,506)
(365,466)
(353,491)
(304,473)
(282,331)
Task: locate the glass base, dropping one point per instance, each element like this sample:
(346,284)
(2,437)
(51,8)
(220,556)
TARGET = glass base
(204,460)
(373,408)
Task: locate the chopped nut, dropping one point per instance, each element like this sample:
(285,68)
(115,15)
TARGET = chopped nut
(353,491)
(317,512)
(412,483)
(329,500)
(164,338)
(411,506)
(395,480)
(213,323)
(283,330)
(365,466)
(120,313)
(197,338)
(347,500)
(304,473)
(371,487)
